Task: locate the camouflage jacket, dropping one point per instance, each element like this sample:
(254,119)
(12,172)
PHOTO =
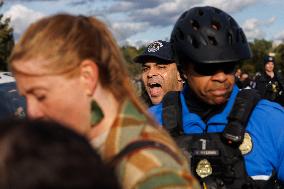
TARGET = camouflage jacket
(147,168)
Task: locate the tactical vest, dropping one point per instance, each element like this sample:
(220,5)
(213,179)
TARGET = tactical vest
(215,158)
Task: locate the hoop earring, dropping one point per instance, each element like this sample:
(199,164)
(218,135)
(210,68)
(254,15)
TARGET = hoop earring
(96,113)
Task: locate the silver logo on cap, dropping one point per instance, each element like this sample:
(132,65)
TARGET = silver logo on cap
(155,46)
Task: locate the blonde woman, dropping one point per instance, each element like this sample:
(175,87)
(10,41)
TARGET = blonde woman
(70,70)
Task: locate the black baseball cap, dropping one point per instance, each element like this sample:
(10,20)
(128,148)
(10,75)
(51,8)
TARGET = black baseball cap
(159,51)
(268,58)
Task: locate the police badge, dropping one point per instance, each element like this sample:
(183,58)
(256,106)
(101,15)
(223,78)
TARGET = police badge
(246,146)
(203,168)
(155,46)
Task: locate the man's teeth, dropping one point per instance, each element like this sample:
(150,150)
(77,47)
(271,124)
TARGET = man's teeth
(154,85)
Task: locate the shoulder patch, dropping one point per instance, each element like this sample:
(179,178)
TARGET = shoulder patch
(247,145)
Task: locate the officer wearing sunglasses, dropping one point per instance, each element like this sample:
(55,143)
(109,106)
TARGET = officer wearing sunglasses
(233,138)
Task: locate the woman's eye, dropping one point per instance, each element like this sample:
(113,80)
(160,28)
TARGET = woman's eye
(40,97)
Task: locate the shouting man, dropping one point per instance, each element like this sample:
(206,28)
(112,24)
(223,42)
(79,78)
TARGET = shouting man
(159,73)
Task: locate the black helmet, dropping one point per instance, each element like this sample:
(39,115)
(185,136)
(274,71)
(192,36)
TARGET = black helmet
(208,35)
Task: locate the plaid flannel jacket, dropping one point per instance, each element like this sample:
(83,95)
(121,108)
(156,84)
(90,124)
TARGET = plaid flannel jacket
(146,168)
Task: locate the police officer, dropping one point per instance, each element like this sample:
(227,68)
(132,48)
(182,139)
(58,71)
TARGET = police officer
(241,149)
(159,71)
(271,84)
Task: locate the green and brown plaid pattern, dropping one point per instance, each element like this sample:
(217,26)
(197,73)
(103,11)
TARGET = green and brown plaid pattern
(148,168)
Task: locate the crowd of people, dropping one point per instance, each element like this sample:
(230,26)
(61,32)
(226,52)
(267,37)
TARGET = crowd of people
(206,126)
(269,83)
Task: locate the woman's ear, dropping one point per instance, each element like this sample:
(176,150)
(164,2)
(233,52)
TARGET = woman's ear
(89,75)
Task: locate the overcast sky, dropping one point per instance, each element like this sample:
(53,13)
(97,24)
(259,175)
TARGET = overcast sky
(142,21)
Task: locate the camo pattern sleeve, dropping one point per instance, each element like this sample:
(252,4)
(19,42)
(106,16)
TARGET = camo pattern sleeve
(145,168)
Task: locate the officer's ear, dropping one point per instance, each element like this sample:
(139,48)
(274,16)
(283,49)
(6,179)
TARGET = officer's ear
(89,74)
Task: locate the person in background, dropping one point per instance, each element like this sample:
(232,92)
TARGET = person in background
(160,72)
(238,74)
(270,84)
(40,154)
(233,138)
(71,70)
(244,81)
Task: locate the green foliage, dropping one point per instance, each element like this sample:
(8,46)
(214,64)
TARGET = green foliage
(6,41)
(279,57)
(248,68)
(259,48)
(129,54)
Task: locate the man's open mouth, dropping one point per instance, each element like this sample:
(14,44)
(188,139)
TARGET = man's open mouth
(153,85)
(155,89)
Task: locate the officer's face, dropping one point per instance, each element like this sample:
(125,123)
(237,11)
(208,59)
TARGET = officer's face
(55,97)
(211,85)
(269,67)
(160,79)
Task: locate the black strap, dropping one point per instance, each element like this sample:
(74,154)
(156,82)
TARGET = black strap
(244,104)
(238,118)
(172,113)
(140,145)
